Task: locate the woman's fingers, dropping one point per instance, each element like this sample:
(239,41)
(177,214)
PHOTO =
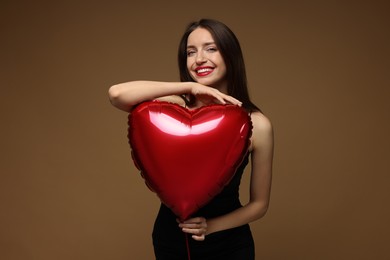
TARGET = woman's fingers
(195,226)
(210,95)
(199,238)
(232,100)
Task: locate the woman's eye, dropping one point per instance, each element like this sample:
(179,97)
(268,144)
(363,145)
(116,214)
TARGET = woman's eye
(212,49)
(190,52)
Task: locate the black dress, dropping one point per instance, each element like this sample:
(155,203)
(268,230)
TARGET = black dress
(233,244)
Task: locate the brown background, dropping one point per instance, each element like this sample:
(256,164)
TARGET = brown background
(319,70)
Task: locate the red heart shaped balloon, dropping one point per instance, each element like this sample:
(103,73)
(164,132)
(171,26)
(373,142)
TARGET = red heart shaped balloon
(187,156)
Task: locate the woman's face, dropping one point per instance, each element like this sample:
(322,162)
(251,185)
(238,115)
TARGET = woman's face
(204,61)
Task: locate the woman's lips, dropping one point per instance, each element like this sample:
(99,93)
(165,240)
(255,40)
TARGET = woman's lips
(203,71)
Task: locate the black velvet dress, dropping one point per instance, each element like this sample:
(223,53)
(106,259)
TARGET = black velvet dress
(233,244)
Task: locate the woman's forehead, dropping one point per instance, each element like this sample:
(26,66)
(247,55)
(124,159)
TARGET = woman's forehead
(200,36)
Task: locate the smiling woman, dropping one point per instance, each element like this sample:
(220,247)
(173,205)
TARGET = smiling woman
(212,72)
(204,61)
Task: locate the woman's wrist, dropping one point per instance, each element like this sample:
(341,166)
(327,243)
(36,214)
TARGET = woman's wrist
(187,87)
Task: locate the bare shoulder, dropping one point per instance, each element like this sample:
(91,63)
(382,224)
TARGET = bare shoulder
(173,99)
(262,130)
(261,122)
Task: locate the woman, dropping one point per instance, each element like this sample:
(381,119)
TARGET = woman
(211,71)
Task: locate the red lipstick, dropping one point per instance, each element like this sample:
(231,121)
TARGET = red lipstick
(204,71)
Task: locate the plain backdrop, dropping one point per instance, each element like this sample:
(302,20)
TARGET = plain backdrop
(318,69)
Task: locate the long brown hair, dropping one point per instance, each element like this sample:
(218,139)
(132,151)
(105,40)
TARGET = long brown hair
(230,49)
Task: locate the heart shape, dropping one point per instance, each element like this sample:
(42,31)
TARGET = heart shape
(187,156)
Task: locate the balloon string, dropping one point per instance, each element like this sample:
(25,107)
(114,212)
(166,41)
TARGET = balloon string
(188,246)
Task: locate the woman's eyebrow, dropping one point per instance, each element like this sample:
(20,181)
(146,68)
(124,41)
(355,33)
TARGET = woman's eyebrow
(204,44)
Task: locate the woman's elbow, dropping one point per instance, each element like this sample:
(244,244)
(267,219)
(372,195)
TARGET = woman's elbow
(260,210)
(114,93)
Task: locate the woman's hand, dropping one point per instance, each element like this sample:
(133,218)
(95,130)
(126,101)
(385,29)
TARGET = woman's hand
(195,226)
(209,95)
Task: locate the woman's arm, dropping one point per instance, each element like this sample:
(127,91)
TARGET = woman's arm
(126,95)
(260,186)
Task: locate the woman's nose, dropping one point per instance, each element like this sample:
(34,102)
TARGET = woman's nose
(200,58)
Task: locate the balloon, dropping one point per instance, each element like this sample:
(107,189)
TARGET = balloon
(187,156)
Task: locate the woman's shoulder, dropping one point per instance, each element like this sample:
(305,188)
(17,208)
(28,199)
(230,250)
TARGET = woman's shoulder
(260,121)
(262,129)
